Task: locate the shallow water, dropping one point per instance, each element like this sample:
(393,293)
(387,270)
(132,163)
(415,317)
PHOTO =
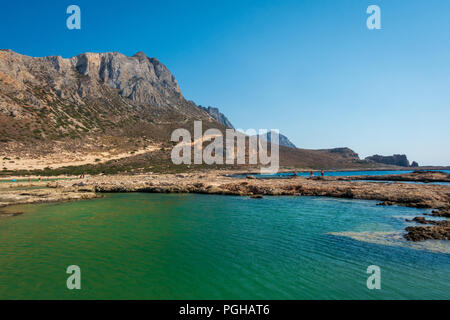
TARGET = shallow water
(332,173)
(408,182)
(158,246)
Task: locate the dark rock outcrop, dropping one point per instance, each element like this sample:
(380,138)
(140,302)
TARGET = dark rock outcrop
(422,220)
(395,160)
(431,229)
(441,213)
(428,233)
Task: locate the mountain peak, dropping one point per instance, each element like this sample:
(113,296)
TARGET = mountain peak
(282,139)
(47,99)
(217,115)
(140,55)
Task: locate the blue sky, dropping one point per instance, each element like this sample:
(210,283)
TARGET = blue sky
(309,68)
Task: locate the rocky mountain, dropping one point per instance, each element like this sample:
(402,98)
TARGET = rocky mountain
(217,115)
(93,94)
(283,140)
(396,160)
(108,108)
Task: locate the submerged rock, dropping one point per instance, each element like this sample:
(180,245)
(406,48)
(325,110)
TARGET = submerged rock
(422,220)
(434,229)
(441,213)
(386,203)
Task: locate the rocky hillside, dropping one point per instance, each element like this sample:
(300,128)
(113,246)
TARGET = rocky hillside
(107,109)
(282,139)
(91,95)
(217,115)
(346,153)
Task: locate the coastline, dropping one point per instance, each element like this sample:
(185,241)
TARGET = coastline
(381,168)
(218,182)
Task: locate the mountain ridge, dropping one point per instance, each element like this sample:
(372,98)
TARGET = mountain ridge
(54,98)
(106,103)
(282,139)
(219,116)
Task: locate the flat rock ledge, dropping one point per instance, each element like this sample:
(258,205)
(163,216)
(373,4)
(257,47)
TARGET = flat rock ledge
(412,195)
(16,197)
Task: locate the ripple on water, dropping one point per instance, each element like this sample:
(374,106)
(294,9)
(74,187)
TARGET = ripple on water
(175,246)
(396,239)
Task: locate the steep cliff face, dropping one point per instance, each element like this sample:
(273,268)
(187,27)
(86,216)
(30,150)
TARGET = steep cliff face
(396,160)
(51,98)
(143,80)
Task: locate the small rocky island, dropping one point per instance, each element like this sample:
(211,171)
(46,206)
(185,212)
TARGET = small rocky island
(396,160)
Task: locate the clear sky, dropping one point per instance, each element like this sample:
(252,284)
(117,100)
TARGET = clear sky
(309,68)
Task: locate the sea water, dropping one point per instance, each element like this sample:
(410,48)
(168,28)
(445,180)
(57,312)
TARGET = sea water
(187,246)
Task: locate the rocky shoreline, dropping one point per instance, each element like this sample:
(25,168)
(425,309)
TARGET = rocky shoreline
(215,182)
(41,195)
(416,176)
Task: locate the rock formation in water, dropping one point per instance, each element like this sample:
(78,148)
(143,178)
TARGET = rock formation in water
(436,232)
(395,160)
